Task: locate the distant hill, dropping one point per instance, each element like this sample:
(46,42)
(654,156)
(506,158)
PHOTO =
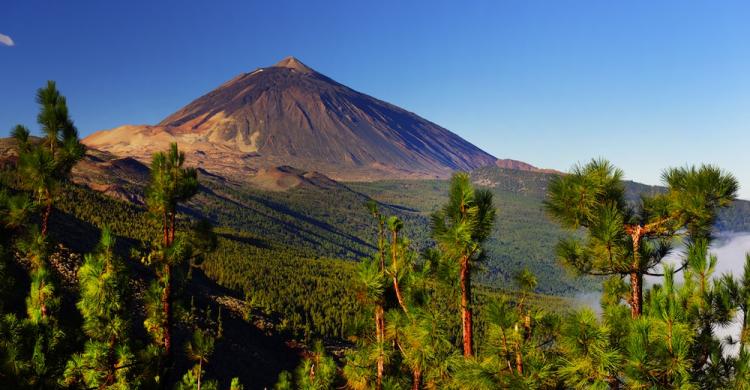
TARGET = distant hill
(290,115)
(507,163)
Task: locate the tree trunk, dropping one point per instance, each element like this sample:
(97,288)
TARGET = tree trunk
(167,308)
(636,278)
(171,227)
(165,228)
(636,298)
(111,363)
(379,311)
(42,300)
(399,297)
(394,260)
(527,325)
(614,383)
(466,316)
(743,332)
(379,335)
(417,381)
(200,369)
(519,360)
(506,350)
(45,217)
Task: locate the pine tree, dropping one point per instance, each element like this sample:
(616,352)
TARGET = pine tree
(414,325)
(44,339)
(170,184)
(372,280)
(236,384)
(518,345)
(422,342)
(191,381)
(526,282)
(284,382)
(394,226)
(587,359)
(199,349)
(317,372)
(14,211)
(30,350)
(44,165)
(357,369)
(709,304)
(107,360)
(15,333)
(739,292)
(41,301)
(460,228)
(626,239)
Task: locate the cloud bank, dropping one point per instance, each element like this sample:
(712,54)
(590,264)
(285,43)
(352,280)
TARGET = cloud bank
(6,40)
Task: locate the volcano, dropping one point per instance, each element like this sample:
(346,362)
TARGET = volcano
(290,115)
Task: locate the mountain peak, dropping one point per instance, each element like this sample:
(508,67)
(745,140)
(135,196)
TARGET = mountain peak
(295,64)
(289,114)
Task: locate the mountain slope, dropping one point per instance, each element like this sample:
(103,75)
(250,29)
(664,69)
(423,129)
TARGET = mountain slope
(289,114)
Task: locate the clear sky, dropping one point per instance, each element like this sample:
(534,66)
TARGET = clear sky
(645,85)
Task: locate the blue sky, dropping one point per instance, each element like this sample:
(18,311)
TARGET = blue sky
(645,85)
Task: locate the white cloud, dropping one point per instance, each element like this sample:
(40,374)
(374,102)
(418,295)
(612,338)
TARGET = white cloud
(6,40)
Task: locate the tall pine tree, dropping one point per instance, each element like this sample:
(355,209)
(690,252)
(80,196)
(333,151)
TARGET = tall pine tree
(107,360)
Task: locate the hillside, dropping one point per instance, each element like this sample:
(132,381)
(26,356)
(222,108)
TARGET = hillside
(275,298)
(320,217)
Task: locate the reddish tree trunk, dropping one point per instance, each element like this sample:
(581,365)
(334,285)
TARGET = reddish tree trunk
(527,325)
(379,311)
(399,297)
(394,260)
(466,315)
(380,336)
(171,228)
(111,363)
(636,294)
(519,361)
(743,331)
(200,371)
(167,308)
(636,277)
(45,217)
(165,229)
(506,351)
(417,380)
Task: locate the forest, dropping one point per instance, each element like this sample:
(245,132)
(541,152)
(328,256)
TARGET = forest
(99,293)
